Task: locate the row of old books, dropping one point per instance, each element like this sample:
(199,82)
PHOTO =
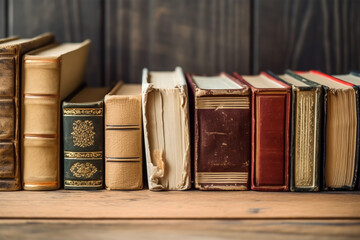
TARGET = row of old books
(297,131)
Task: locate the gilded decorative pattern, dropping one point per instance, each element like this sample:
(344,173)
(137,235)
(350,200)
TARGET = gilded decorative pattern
(83,111)
(222,103)
(222,177)
(83,183)
(83,154)
(305,139)
(83,133)
(83,169)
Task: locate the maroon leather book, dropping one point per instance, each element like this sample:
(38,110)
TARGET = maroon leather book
(270,103)
(221,118)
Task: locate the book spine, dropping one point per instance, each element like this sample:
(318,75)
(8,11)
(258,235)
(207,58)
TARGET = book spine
(270,158)
(222,142)
(123,142)
(41,124)
(9,122)
(305,140)
(83,127)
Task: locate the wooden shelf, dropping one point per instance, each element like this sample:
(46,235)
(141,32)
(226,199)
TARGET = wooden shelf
(193,213)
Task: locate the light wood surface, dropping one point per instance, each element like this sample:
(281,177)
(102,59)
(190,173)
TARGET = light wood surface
(145,204)
(179,229)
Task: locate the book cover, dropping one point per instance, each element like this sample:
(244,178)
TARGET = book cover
(270,103)
(50,75)
(221,132)
(11,55)
(339,136)
(83,139)
(123,138)
(166,130)
(305,133)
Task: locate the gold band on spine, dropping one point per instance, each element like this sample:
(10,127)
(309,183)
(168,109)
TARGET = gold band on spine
(32,95)
(92,155)
(222,103)
(85,183)
(222,177)
(83,111)
(40,136)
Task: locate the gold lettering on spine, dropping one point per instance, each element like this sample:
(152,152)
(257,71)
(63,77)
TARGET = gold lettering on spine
(83,133)
(305,139)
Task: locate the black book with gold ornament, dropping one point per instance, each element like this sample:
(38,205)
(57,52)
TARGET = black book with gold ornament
(83,135)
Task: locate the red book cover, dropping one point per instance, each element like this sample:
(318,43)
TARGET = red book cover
(270,103)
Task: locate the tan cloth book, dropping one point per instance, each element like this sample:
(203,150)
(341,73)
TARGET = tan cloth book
(166,130)
(123,138)
(11,54)
(50,75)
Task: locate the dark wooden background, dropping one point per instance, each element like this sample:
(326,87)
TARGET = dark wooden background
(202,36)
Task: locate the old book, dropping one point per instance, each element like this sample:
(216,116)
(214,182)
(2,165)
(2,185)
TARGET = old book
(50,75)
(270,103)
(123,138)
(83,139)
(221,132)
(166,130)
(11,55)
(305,137)
(340,126)
(354,78)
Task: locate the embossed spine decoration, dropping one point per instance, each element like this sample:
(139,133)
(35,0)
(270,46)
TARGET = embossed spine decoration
(83,145)
(305,139)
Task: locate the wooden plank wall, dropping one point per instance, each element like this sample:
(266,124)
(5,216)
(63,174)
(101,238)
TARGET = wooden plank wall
(202,36)
(69,20)
(303,34)
(3,22)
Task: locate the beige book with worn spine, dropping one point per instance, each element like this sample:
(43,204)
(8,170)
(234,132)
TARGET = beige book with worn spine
(123,138)
(50,75)
(166,130)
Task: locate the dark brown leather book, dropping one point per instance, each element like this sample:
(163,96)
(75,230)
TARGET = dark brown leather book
(220,107)
(270,103)
(11,54)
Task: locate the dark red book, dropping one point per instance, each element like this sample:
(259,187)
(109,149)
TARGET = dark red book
(221,132)
(270,132)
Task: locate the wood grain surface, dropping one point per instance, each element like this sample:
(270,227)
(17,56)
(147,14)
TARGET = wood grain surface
(69,20)
(202,36)
(305,35)
(179,229)
(145,204)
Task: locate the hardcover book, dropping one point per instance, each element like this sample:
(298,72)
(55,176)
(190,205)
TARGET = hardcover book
(354,78)
(270,103)
(83,139)
(305,137)
(11,55)
(221,132)
(166,130)
(50,75)
(340,127)
(123,138)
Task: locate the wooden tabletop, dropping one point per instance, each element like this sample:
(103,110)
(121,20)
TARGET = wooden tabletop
(191,214)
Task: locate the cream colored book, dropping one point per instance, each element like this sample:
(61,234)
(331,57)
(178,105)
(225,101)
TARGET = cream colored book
(166,130)
(123,138)
(50,74)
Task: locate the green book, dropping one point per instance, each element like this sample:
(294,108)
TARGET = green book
(83,136)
